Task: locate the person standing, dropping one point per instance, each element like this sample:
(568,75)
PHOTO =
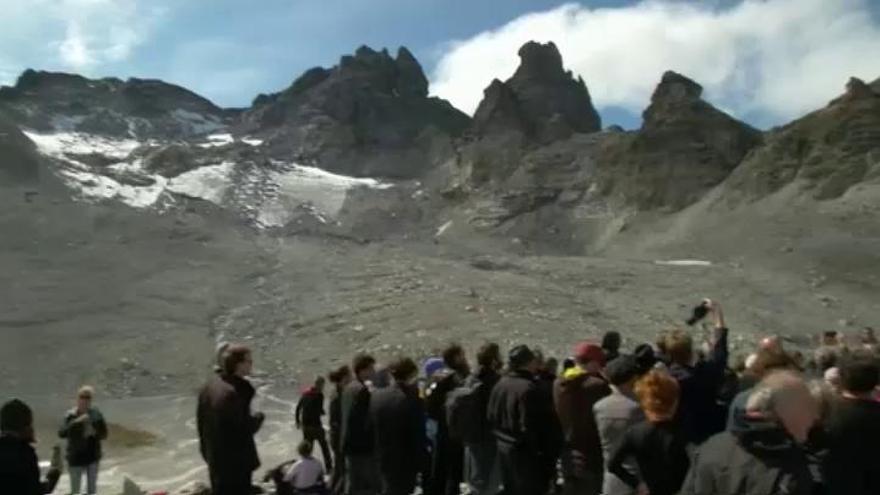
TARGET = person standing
(854,429)
(574,394)
(448,461)
(657,444)
(358,441)
(514,414)
(226,425)
(611,345)
(398,419)
(84,428)
(699,413)
(770,452)
(482,471)
(309,410)
(340,378)
(19,468)
(615,414)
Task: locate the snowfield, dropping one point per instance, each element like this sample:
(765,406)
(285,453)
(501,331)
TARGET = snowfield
(269,196)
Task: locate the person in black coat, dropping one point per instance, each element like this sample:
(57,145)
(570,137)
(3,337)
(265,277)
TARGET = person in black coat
(515,415)
(357,439)
(398,419)
(657,444)
(84,428)
(226,426)
(700,414)
(340,378)
(775,448)
(482,472)
(19,469)
(309,410)
(853,426)
(448,461)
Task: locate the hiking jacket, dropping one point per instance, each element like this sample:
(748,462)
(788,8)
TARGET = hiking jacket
(310,408)
(83,438)
(756,458)
(357,430)
(616,414)
(487,379)
(700,415)
(226,426)
(514,411)
(19,470)
(398,420)
(574,394)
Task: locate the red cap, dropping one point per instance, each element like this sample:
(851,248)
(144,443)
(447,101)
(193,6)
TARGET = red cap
(587,351)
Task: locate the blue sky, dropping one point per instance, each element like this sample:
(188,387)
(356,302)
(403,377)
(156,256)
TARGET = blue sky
(764,61)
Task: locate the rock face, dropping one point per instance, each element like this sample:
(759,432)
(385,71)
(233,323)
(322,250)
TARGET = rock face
(19,160)
(370,115)
(825,152)
(541,99)
(684,147)
(136,108)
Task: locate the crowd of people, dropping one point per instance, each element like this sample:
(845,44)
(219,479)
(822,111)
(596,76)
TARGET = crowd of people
(670,417)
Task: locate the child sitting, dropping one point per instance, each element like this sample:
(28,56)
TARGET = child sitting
(306,476)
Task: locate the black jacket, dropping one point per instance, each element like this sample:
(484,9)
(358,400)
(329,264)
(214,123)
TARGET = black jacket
(756,458)
(226,426)
(310,408)
(515,412)
(660,453)
(487,378)
(398,420)
(335,412)
(83,450)
(19,470)
(700,414)
(854,436)
(357,430)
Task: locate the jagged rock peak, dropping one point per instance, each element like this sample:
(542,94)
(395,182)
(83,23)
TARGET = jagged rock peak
(411,78)
(540,61)
(499,110)
(541,98)
(675,87)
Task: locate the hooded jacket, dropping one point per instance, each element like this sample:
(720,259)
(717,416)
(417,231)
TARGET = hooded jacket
(757,457)
(574,395)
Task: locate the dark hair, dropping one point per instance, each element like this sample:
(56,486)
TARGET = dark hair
(520,357)
(567,364)
(235,355)
(15,417)
(402,369)
(488,354)
(336,376)
(859,374)
(305,448)
(611,341)
(551,365)
(362,362)
(319,381)
(451,353)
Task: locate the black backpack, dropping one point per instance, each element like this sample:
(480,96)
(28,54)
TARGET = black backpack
(464,412)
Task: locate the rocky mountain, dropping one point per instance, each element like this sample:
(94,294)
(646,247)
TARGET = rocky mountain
(134,109)
(368,116)
(19,159)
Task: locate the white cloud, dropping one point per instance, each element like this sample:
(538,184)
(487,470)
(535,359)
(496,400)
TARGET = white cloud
(769,60)
(78,35)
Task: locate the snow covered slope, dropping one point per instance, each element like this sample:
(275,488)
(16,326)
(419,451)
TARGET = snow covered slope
(264,191)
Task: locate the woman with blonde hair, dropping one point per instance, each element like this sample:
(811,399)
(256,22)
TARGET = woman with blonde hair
(658,446)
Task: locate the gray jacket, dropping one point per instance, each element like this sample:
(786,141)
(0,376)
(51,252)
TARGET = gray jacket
(614,415)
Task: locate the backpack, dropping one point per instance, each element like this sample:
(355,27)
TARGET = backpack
(464,414)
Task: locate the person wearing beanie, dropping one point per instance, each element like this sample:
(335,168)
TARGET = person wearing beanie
(514,414)
(574,395)
(616,414)
(19,468)
(657,445)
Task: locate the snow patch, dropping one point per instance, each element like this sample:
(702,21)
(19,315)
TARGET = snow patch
(209,183)
(252,141)
(58,144)
(98,187)
(683,263)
